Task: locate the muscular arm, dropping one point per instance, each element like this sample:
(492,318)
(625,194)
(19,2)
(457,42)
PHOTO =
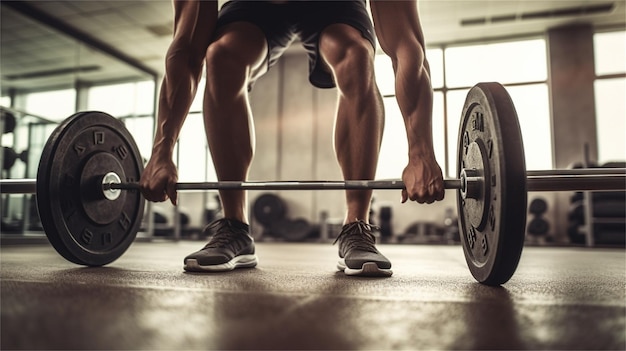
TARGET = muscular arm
(194,24)
(400,35)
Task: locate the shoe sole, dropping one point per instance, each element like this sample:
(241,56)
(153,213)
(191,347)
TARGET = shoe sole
(368,269)
(243,261)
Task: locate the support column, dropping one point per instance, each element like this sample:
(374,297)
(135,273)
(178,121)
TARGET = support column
(571,77)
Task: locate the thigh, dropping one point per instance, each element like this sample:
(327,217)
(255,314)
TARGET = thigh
(338,39)
(329,22)
(270,19)
(240,42)
(397,25)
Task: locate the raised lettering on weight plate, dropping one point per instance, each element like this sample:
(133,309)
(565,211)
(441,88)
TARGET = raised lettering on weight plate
(471,237)
(484,245)
(124,221)
(466,141)
(79,149)
(98,138)
(107,238)
(478,122)
(86,236)
(492,218)
(122,152)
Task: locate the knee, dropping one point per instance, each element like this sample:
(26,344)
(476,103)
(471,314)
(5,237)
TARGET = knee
(224,60)
(410,53)
(352,65)
(226,70)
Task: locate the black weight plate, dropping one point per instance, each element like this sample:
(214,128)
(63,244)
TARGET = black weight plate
(81,224)
(492,226)
(269,208)
(292,230)
(538,206)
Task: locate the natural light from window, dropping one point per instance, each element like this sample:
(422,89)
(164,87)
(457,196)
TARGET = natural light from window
(610,59)
(521,63)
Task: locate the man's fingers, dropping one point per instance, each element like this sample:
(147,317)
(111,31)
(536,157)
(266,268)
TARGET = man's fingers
(154,196)
(424,194)
(172,193)
(405,195)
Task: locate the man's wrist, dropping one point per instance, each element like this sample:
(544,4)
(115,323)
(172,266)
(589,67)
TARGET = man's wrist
(163,148)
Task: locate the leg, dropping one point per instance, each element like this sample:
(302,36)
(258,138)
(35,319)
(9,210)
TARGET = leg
(232,60)
(236,56)
(360,113)
(358,134)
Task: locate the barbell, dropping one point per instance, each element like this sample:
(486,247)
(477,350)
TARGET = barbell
(91,208)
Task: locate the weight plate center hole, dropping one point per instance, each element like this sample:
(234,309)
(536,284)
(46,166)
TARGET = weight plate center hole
(474,192)
(102,206)
(111,178)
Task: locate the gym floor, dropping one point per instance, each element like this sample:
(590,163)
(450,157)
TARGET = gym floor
(559,298)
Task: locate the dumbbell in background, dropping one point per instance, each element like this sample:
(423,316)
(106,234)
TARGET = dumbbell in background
(9,122)
(538,227)
(9,155)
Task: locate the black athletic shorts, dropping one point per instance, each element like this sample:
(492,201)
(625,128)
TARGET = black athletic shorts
(283,23)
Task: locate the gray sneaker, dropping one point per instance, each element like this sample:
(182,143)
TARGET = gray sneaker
(230,247)
(358,253)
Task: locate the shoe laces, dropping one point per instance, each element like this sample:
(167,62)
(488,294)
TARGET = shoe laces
(357,235)
(224,231)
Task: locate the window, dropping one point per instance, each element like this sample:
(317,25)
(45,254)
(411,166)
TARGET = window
(533,111)
(611,119)
(55,105)
(509,62)
(120,100)
(394,150)
(141,128)
(192,153)
(520,64)
(610,89)
(455,102)
(134,103)
(610,52)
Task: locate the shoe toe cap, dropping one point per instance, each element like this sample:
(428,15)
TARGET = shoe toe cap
(356,259)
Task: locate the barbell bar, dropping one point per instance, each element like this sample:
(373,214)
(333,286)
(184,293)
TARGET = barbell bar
(597,179)
(91,157)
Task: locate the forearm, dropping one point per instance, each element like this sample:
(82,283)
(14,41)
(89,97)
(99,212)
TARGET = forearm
(194,24)
(415,99)
(399,32)
(178,90)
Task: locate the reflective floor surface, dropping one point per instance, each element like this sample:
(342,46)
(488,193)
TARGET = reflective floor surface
(559,298)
